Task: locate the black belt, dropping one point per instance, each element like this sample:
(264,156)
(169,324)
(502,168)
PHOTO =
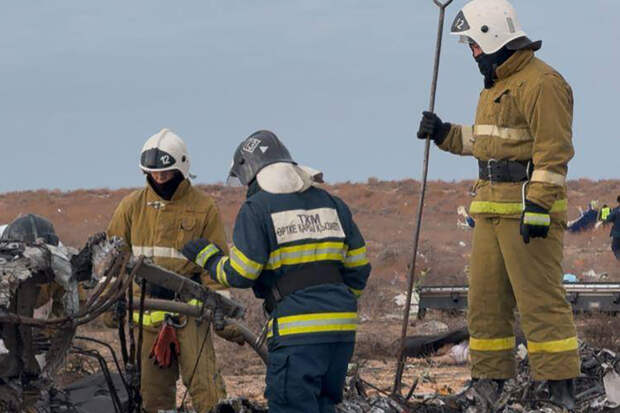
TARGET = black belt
(504,171)
(309,275)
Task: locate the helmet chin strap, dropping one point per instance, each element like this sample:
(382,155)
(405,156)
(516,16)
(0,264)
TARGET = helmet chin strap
(488,63)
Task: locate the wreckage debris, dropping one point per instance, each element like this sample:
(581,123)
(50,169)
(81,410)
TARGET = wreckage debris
(25,268)
(597,390)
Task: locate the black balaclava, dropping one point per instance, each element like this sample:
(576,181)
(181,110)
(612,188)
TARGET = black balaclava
(253,187)
(488,63)
(167,189)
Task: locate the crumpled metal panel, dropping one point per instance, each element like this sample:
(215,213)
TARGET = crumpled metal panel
(60,263)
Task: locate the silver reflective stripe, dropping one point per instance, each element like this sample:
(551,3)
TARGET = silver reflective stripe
(274,259)
(537,219)
(312,323)
(355,258)
(549,177)
(204,255)
(503,133)
(253,272)
(159,252)
(467,136)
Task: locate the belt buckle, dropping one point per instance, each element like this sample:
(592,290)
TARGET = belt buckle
(489,166)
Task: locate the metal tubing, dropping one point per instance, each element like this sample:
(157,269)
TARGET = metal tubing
(400,365)
(195,311)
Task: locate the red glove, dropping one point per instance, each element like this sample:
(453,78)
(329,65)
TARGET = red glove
(166,346)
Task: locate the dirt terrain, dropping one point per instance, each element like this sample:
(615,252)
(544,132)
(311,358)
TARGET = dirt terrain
(385,213)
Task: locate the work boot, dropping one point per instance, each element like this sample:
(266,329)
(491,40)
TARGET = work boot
(562,393)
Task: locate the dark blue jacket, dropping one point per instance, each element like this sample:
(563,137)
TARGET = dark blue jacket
(614,217)
(278,233)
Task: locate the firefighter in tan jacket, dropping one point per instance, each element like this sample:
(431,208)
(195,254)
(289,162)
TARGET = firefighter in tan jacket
(156,222)
(522,139)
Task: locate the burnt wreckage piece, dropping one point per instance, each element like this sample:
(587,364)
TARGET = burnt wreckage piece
(26,268)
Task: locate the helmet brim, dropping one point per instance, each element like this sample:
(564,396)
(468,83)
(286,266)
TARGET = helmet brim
(523,43)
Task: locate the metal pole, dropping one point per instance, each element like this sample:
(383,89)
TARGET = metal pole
(411,280)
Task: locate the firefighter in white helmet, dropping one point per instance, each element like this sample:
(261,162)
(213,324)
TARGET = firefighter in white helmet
(522,139)
(156,222)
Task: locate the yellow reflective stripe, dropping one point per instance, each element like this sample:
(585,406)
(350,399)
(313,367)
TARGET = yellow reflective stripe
(243,265)
(300,254)
(492,344)
(533,218)
(220,273)
(549,177)
(356,258)
(556,346)
(154,317)
(509,208)
(467,137)
(515,134)
(250,263)
(315,323)
(206,253)
(559,206)
(357,293)
(150,318)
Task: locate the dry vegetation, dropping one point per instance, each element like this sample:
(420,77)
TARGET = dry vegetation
(385,212)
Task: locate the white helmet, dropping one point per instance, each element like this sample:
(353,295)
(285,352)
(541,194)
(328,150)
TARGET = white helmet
(165,151)
(492,24)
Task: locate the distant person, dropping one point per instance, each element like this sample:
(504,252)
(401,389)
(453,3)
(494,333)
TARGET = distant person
(587,219)
(604,212)
(469,222)
(156,222)
(522,139)
(613,217)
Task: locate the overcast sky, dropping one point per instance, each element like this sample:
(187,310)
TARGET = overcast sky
(342,82)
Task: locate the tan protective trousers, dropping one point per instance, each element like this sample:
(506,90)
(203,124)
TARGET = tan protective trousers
(158,385)
(506,272)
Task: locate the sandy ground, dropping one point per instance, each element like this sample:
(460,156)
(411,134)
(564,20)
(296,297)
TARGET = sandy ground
(384,210)
(385,213)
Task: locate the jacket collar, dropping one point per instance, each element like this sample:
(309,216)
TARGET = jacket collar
(515,63)
(181,191)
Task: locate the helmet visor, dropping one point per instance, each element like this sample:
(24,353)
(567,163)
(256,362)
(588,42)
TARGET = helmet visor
(155,158)
(232,179)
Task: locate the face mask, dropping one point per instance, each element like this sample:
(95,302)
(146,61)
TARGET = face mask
(488,63)
(167,189)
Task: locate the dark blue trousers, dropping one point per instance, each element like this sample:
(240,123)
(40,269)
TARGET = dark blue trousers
(307,378)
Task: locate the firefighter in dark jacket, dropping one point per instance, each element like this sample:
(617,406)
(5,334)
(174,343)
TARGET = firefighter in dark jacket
(299,249)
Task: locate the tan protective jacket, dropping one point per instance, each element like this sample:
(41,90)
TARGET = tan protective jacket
(526,115)
(157,228)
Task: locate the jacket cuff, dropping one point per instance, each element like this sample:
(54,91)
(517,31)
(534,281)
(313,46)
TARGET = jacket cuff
(543,194)
(459,140)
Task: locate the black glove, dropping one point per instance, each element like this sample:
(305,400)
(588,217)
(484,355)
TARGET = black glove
(433,127)
(199,251)
(535,222)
